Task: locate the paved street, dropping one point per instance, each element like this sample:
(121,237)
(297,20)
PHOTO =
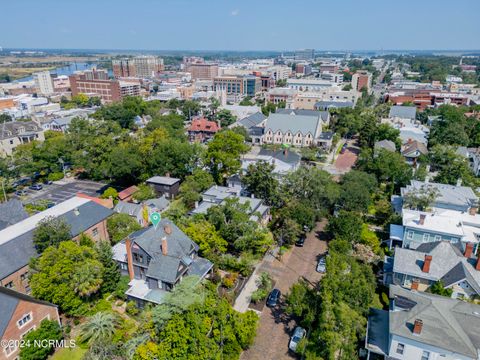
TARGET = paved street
(62,191)
(275,327)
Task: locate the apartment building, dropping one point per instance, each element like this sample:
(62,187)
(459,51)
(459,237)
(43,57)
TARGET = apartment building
(362,80)
(96,83)
(43,82)
(139,67)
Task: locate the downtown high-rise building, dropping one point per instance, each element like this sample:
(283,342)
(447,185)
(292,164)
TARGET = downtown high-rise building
(43,82)
(139,67)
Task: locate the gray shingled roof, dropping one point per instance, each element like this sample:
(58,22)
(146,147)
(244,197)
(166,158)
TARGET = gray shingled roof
(448,264)
(128,208)
(9,300)
(12,129)
(403,112)
(290,157)
(294,123)
(88,215)
(11,212)
(252,120)
(448,324)
(160,204)
(447,194)
(17,252)
(304,112)
(179,245)
(333,104)
(163,180)
(385,144)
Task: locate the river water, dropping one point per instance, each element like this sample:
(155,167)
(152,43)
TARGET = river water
(68,70)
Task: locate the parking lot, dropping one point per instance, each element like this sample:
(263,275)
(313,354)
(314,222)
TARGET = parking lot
(64,190)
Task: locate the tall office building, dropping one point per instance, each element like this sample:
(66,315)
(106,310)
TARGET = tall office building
(305,54)
(202,71)
(43,82)
(140,66)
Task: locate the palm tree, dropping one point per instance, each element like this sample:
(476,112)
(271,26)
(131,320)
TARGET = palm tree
(88,278)
(100,326)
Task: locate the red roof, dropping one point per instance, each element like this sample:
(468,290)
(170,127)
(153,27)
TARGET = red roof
(108,203)
(204,125)
(127,192)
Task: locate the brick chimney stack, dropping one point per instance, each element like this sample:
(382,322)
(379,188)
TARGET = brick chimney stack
(417,326)
(164,246)
(414,285)
(473,210)
(168,229)
(468,250)
(128,245)
(426,263)
(422,219)
(477,266)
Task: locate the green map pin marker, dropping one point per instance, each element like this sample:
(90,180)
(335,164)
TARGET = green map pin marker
(155,218)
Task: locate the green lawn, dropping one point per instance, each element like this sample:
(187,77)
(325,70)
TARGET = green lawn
(69,354)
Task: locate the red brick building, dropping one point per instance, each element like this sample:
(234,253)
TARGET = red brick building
(20,314)
(202,129)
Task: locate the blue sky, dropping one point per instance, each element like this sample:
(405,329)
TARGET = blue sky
(241,24)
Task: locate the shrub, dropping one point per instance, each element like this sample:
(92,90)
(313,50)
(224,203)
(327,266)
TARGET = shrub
(122,287)
(229,280)
(132,308)
(55,176)
(259,295)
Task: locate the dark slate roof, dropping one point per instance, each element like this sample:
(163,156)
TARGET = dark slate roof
(17,252)
(160,203)
(289,157)
(456,274)
(333,104)
(256,131)
(88,215)
(179,247)
(252,120)
(11,212)
(378,330)
(9,300)
(326,135)
(403,112)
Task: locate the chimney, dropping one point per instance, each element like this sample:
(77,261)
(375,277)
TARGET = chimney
(459,182)
(426,263)
(473,210)
(167,174)
(168,229)
(468,250)
(164,246)
(417,326)
(477,266)
(422,219)
(76,211)
(128,246)
(196,204)
(414,285)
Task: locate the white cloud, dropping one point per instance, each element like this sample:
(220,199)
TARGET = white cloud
(235,12)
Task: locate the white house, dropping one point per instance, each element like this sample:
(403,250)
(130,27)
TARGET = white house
(424,326)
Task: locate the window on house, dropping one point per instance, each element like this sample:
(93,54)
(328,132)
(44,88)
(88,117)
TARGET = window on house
(425,355)
(9,348)
(25,320)
(426,237)
(123,266)
(410,234)
(400,348)
(438,238)
(24,276)
(9,285)
(95,232)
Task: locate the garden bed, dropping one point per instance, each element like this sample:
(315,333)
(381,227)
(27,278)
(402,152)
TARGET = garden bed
(259,305)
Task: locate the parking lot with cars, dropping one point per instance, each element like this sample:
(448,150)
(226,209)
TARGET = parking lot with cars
(276,329)
(60,191)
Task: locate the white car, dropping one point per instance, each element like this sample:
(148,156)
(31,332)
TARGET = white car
(322,265)
(298,334)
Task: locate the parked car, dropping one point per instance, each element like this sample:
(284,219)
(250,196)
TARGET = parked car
(36,187)
(21,182)
(21,192)
(273,298)
(322,264)
(301,241)
(47,182)
(298,334)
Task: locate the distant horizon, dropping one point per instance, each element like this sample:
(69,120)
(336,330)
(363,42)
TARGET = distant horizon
(241,25)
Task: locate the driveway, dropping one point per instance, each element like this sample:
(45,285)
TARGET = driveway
(275,327)
(345,161)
